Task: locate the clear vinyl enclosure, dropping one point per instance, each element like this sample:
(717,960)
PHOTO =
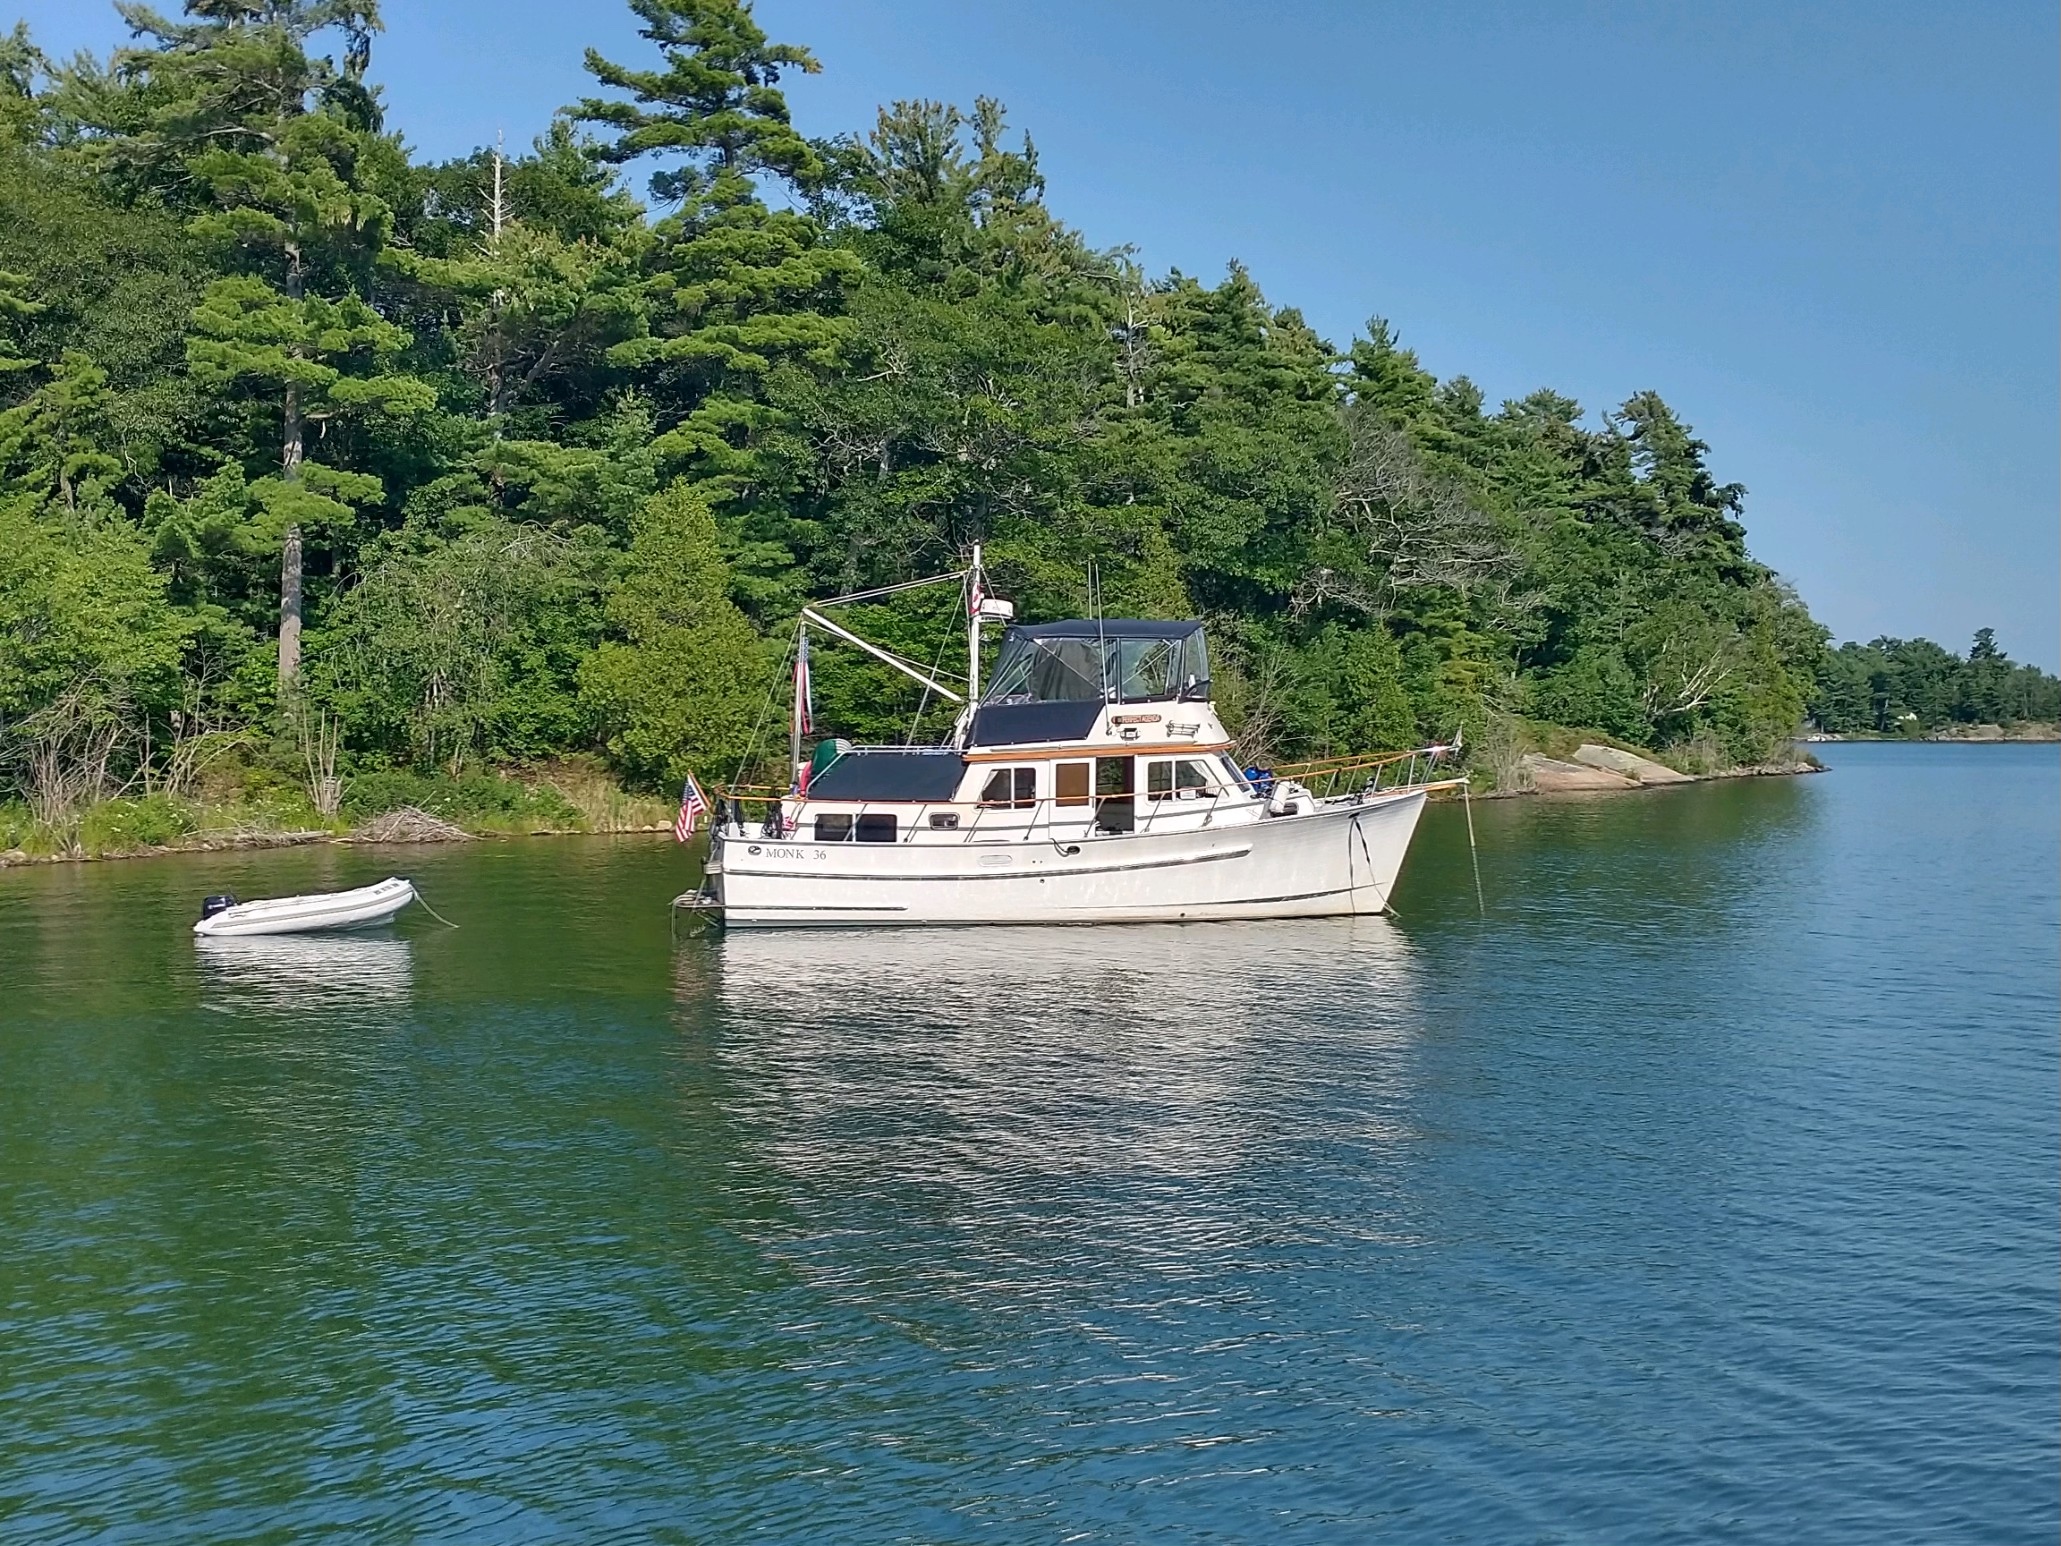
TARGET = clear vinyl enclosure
(1108,662)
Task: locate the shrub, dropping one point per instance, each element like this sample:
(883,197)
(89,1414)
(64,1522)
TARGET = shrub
(151,822)
(475,799)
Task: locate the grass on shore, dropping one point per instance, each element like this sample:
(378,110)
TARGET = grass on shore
(250,806)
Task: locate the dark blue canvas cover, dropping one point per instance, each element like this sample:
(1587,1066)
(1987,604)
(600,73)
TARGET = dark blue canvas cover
(890,773)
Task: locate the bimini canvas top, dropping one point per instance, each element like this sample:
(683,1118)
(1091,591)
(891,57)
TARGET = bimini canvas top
(1119,660)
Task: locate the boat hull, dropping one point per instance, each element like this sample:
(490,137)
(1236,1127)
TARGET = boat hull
(1340,858)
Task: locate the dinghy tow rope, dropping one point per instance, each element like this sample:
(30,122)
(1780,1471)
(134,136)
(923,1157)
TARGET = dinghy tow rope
(440,918)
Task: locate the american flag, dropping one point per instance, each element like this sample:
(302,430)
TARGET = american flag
(692,803)
(804,690)
(975,594)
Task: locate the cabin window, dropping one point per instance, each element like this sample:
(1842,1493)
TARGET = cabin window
(875,829)
(1183,780)
(1070,785)
(1014,787)
(834,829)
(944,821)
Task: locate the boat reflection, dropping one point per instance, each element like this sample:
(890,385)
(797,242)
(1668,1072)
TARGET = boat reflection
(1009,1078)
(295,972)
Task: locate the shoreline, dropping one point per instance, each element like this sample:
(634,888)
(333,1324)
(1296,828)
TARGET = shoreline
(2044,738)
(251,842)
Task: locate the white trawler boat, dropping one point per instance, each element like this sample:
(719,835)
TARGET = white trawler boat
(1091,783)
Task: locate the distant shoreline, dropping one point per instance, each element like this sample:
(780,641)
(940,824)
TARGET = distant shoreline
(2026,735)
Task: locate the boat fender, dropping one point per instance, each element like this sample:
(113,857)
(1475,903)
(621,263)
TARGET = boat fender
(221,903)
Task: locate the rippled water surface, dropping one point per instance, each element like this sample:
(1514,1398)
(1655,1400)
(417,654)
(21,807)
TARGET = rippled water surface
(1706,1190)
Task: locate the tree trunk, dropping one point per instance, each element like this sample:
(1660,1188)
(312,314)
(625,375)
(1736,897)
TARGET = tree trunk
(290,608)
(291,450)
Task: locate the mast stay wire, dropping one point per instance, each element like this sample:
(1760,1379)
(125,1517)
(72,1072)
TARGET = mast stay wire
(889,590)
(935,666)
(751,747)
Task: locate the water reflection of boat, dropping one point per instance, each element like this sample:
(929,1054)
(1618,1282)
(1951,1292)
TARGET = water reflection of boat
(296,971)
(1177,973)
(1023,1051)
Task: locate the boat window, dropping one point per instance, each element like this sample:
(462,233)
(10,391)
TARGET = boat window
(833,829)
(1070,785)
(1061,671)
(875,829)
(1016,787)
(1146,669)
(1183,780)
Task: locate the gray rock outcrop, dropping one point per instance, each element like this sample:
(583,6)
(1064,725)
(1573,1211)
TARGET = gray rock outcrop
(1640,770)
(1550,776)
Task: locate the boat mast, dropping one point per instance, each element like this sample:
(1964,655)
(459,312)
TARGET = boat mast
(973,601)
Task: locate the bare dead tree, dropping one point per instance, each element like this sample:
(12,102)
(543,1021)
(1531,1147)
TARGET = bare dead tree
(201,733)
(67,751)
(1261,714)
(1682,687)
(321,735)
(1418,530)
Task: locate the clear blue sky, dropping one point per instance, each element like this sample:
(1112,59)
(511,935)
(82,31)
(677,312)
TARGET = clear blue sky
(1826,234)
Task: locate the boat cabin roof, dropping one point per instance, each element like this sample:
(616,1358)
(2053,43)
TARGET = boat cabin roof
(1112,628)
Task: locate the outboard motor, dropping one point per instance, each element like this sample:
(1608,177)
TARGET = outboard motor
(211,905)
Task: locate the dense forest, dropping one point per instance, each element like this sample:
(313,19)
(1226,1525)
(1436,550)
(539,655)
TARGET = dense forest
(327,469)
(1913,686)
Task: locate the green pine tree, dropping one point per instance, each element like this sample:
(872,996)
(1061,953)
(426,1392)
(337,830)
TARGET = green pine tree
(281,151)
(737,291)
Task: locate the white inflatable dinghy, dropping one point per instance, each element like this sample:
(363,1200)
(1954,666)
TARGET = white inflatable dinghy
(224,916)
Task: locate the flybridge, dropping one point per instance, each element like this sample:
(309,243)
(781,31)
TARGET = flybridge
(1101,661)
(1052,679)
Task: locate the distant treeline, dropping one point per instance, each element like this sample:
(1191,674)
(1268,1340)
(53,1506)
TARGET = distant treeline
(1895,686)
(317,458)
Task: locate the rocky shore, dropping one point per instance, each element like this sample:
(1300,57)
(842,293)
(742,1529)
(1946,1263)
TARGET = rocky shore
(1597,769)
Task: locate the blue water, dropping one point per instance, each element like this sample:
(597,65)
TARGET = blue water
(1707,1190)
